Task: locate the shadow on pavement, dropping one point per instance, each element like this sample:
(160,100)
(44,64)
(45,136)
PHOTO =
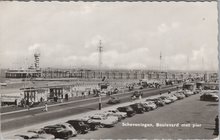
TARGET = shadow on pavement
(212,104)
(210,128)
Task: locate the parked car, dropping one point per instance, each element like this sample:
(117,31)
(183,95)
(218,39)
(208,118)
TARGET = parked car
(58,132)
(107,114)
(42,134)
(127,109)
(138,108)
(165,99)
(187,93)
(114,90)
(104,121)
(172,97)
(67,126)
(157,101)
(93,125)
(119,117)
(137,94)
(151,105)
(113,100)
(115,111)
(27,135)
(179,95)
(209,97)
(145,106)
(79,126)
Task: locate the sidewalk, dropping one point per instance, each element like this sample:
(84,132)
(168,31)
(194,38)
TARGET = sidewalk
(16,108)
(78,98)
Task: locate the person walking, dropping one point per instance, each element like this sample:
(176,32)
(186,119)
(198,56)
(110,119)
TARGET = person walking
(45,107)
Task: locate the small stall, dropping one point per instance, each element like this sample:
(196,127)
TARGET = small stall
(35,95)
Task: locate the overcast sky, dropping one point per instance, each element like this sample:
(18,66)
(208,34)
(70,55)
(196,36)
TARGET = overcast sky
(133,34)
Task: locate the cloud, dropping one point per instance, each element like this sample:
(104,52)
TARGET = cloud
(133,35)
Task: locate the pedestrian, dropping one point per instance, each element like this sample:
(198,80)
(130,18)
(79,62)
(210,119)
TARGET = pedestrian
(41,99)
(140,97)
(46,108)
(133,98)
(27,104)
(83,94)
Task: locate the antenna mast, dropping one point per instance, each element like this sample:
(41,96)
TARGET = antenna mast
(100,50)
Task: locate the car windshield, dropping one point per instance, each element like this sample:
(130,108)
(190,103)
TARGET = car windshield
(129,109)
(96,118)
(113,111)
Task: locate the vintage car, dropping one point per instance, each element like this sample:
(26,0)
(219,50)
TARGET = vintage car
(79,126)
(137,107)
(137,94)
(209,97)
(115,111)
(172,97)
(150,104)
(105,121)
(127,109)
(165,99)
(58,131)
(187,93)
(107,114)
(67,126)
(114,100)
(42,134)
(93,125)
(158,101)
(179,95)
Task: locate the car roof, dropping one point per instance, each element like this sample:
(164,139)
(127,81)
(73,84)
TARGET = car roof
(52,126)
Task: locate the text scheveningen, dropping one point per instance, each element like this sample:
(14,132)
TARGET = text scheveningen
(150,124)
(137,124)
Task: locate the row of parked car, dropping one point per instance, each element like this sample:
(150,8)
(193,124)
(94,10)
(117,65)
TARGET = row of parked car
(107,118)
(210,95)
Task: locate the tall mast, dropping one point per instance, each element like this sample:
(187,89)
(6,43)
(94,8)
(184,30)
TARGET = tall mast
(100,50)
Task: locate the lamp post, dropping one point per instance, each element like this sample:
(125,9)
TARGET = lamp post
(100,50)
(100,102)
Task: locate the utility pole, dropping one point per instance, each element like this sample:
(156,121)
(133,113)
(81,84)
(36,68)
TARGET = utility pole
(160,61)
(160,72)
(100,50)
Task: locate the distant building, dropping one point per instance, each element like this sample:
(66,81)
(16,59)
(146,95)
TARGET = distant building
(19,73)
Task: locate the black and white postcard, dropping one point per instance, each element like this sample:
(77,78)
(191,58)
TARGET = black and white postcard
(109,70)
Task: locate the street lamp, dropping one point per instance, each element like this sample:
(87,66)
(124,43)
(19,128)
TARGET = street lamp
(100,101)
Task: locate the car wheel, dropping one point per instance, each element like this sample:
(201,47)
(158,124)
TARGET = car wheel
(79,132)
(96,127)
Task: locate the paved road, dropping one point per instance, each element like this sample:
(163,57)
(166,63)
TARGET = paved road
(27,118)
(187,111)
